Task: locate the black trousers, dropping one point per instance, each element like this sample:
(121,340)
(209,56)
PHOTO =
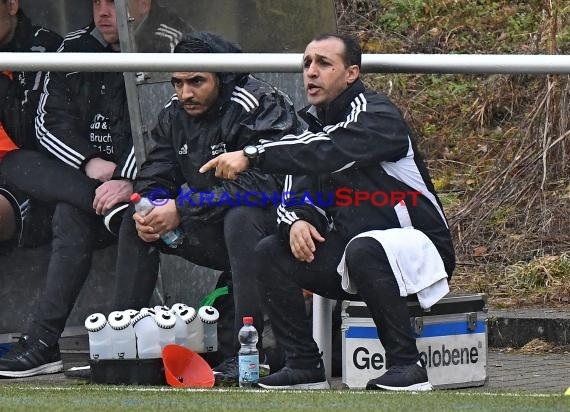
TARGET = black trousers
(76,232)
(227,245)
(283,277)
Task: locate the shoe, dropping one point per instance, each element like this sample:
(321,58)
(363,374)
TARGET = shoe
(227,372)
(78,372)
(30,357)
(402,378)
(113,218)
(288,378)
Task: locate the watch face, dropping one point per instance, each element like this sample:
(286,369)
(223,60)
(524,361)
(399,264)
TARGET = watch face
(250,151)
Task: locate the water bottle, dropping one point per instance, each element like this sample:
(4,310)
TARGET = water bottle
(123,335)
(194,331)
(209,316)
(248,355)
(165,322)
(147,334)
(144,206)
(183,317)
(99,331)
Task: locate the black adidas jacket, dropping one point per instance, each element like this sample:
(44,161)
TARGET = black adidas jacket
(160,30)
(247,110)
(85,115)
(360,143)
(19,97)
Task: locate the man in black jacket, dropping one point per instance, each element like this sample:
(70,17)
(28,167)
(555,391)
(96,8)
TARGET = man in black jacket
(22,222)
(82,125)
(211,113)
(156,28)
(361,206)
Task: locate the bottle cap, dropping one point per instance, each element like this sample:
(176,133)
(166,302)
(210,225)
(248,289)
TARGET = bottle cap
(248,320)
(177,307)
(187,315)
(95,322)
(131,313)
(135,197)
(140,316)
(208,314)
(165,320)
(119,320)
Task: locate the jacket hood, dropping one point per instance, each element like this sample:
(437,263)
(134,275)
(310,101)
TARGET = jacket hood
(206,42)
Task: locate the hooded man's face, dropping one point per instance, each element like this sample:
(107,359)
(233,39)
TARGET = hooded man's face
(196,91)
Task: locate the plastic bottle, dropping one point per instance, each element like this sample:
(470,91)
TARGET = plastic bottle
(194,331)
(183,317)
(147,334)
(99,331)
(165,322)
(143,206)
(248,355)
(123,335)
(209,316)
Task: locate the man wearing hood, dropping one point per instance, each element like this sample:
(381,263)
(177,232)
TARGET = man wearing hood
(211,113)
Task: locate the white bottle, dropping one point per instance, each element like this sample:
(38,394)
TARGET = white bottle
(147,334)
(165,322)
(194,331)
(143,206)
(123,335)
(180,328)
(209,316)
(100,346)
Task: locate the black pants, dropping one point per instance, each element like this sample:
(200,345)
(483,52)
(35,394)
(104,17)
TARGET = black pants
(227,245)
(48,180)
(283,277)
(77,232)
(76,235)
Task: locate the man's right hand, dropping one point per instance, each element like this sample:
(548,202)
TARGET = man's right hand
(301,240)
(100,169)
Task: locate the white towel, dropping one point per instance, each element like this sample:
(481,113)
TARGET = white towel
(415,261)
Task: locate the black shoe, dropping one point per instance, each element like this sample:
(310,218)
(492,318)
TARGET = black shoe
(402,378)
(78,372)
(30,357)
(227,372)
(288,378)
(113,218)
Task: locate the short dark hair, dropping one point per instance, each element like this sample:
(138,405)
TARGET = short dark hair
(352,49)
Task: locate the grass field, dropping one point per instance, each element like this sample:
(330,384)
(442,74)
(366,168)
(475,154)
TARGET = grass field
(20,397)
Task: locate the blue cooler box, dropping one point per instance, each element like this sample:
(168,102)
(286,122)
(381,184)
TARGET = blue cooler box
(451,338)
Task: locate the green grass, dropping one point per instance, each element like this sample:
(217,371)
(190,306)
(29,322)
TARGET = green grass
(16,397)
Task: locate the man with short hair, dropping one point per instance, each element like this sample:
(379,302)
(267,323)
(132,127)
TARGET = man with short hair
(22,222)
(211,113)
(361,205)
(82,124)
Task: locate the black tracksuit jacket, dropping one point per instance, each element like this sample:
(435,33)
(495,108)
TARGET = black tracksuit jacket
(360,142)
(247,110)
(85,115)
(19,97)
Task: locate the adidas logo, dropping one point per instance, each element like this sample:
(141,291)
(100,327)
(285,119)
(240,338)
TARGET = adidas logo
(183,150)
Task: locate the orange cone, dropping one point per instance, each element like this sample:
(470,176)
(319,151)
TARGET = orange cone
(184,368)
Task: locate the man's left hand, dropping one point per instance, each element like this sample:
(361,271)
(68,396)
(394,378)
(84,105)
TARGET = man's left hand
(110,193)
(227,165)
